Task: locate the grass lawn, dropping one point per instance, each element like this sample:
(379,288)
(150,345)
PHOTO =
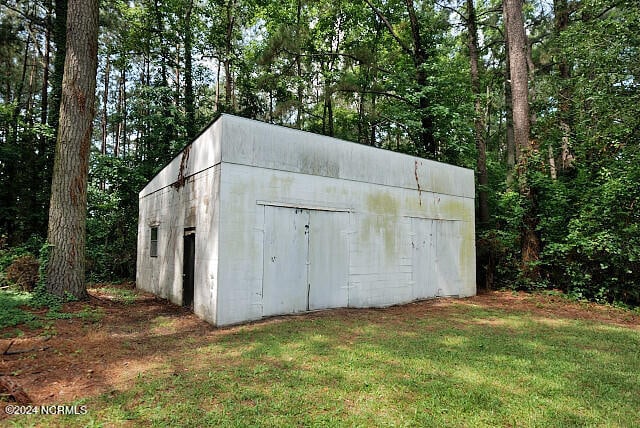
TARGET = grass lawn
(467,363)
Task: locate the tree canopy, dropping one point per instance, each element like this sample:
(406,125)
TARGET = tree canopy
(426,77)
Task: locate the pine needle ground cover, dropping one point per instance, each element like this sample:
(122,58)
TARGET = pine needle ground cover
(499,359)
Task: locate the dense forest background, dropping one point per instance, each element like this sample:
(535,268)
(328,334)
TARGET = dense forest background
(559,209)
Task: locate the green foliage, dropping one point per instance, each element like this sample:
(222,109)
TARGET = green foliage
(339,68)
(599,254)
(87,313)
(12,310)
(9,254)
(112,217)
(15,306)
(41,298)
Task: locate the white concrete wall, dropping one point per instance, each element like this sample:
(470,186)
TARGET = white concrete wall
(377,241)
(172,210)
(203,153)
(249,142)
(361,226)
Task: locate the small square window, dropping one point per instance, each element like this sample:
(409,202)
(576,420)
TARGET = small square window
(153,250)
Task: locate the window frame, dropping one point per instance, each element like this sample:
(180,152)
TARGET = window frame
(153,242)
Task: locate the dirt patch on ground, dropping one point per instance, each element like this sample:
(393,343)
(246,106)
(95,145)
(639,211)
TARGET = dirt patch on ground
(120,333)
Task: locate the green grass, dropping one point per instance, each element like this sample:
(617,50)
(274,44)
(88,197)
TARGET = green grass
(122,295)
(16,309)
(11,312)
(467,366)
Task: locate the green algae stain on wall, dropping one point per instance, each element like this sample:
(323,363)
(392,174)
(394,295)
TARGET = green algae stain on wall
(454,209)
(382,203)
(383,222)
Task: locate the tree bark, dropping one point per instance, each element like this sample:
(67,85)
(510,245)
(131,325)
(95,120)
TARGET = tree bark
(120,131)
(420,56)
(60,41)
(67,213)
(508,106)
(481,147)
(228,76)
(105,101)
(518,73)
(189,98)
(561,10)
(44,98)
(517,56)
(162,43)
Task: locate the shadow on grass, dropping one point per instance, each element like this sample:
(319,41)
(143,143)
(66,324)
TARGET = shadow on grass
(463,366)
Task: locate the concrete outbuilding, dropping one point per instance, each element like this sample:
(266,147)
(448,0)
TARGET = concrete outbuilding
(253,220)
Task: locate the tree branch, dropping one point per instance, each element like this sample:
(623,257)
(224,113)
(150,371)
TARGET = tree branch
(31,17)
(334,54)
(373,91)
(454,10)
(387,24)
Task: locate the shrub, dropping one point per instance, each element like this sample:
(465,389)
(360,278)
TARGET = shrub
(23,272)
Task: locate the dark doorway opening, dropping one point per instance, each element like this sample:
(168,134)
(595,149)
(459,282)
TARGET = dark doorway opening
(188,267)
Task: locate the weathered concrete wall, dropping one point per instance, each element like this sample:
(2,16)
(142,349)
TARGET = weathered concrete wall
(172,210)
(203,153)
(369,245)
(249,142)
(288,221)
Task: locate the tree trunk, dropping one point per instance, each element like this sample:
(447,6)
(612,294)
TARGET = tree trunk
(373,136)
(508,106)
(189,98)
(362,137)
(552,164)
(60,41)
(120,131)
(518,74)
(163,48)
(228,83)
(105,101)
(517,55)
(217,106)
(300,85)
(561,10)
(67,213)
(420,56)
(481,147)
(43,160)
(44,97)
(328,102)
(124,136)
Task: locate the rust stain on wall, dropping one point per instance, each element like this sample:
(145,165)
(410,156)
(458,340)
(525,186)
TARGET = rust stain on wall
(415,173)
(183,166)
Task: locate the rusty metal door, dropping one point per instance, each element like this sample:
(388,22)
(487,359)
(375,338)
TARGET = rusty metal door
(286,258)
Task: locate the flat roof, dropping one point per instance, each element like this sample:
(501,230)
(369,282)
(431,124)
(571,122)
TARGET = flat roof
(237,140)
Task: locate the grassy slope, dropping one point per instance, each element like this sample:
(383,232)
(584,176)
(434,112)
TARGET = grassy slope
(457,365)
